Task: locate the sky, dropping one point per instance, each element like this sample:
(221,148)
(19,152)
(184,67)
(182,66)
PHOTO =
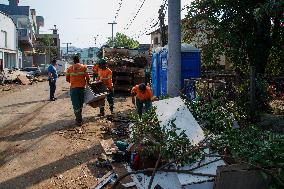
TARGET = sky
(80,21)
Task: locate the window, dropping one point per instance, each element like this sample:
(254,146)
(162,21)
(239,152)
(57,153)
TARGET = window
(3,38)
(156,41)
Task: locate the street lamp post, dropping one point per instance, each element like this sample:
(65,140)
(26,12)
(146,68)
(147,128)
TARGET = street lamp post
(112,23)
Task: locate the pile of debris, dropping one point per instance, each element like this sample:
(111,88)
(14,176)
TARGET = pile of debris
(206,168)
(128,67)
(18,77)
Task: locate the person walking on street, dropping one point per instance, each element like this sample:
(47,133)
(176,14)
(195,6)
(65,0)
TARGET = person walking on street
(78,77)
(144,96)
(105,75)
(52,77)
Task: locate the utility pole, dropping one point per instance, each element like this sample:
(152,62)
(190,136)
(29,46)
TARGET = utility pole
(162,25)
(67,44)
(112,23)
(174,61)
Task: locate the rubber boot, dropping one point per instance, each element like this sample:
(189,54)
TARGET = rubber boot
(102,111)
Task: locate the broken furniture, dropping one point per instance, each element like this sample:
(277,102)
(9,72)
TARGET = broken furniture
(95,94)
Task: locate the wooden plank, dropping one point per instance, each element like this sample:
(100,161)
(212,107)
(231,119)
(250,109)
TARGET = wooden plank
(24,80)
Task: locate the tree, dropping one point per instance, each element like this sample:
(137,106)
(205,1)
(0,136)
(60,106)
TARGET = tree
(122,40)
(249,32)
(46,45)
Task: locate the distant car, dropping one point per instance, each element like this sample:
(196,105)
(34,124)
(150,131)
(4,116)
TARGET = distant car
(90,70)
(34,71)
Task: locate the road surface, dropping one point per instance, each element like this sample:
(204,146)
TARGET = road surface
(40,145)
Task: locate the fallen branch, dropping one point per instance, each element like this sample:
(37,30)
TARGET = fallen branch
(161,170)
(154,172)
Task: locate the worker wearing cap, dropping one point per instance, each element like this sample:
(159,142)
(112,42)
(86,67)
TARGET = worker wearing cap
(78,77)
(105,75)
(144,96)
(95,71)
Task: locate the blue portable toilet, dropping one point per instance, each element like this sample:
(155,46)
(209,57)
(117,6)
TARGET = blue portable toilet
(164,72)
(190,62)
(156,73)
(190,67)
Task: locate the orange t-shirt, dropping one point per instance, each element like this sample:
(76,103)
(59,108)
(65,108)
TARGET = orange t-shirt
(95,69)
(77,75)
(106,77)
(147,95)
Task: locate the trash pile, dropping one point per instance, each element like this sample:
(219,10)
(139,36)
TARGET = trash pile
(9,76)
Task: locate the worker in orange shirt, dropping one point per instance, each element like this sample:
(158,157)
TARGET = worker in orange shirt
(78,77)
(144,96)
(105,75)
(95,71)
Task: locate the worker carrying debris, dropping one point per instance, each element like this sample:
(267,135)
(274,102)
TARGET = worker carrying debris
(95,71)
(78,77)
(144,96)
(105,75)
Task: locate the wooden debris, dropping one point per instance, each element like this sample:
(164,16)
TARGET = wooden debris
(109,146)
(23,79)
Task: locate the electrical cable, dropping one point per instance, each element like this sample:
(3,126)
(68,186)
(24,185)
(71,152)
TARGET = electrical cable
(164,10)
(128,25)
(118,10)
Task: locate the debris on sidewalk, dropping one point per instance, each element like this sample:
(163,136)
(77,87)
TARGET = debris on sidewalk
(110,176)
(109,146)
(23,79)
(198,174)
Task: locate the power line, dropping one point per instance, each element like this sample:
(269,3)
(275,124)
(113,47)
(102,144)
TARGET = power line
(128,25)
(163,8)
(118,10)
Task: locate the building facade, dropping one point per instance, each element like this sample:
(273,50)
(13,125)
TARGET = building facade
(25,21)
(9,55)
(47,48)
(89,55)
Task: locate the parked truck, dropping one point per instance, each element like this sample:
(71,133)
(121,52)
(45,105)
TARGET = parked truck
(128,66)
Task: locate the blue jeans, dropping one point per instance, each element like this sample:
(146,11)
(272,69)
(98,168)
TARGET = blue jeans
(52,87)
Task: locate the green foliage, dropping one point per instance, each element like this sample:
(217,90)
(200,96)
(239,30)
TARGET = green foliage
(212,115)
(254,146)
(46,45)
(155,139)
(275,66)
(122,40)
(245,31)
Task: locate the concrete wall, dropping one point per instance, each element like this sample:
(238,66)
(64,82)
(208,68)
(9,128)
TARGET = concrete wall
(8,42)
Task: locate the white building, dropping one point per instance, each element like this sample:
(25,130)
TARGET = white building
(8,43)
